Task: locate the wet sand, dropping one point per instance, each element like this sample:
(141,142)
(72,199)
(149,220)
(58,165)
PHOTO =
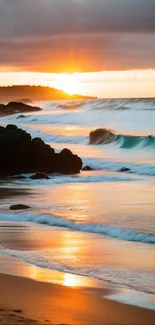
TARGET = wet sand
(55,297)
(54,304)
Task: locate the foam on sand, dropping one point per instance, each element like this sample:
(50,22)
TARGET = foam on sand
(107,230)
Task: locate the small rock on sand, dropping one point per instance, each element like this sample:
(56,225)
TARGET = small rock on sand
(19,207)
(124,169)
(21,116)
(40,176)
(87,168)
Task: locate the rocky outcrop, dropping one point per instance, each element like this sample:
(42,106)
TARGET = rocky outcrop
(124,169)
(87,168)
(40,176)
(100,136)
(17,107)
(19,207)
(22,116)
(20,154)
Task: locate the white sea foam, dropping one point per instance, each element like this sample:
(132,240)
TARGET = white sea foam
(114,165)
(107,230)
(135,279)
(134,298)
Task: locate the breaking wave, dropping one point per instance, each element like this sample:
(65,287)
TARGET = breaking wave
(130,278)
(107,230)
(106,136)
(71,105)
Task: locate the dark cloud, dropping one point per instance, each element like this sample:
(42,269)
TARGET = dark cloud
(86,53)
(85,35)
(51,17)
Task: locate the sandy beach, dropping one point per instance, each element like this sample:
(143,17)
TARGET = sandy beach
(31,294)
(45,302)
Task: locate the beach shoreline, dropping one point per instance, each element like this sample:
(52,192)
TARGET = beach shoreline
(57,304)
(82,300)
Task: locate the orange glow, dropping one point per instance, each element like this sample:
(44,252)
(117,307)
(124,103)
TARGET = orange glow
(103,84)
(70,83)
(71,280)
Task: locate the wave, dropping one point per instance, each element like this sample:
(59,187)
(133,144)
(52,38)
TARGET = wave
(115,166)
(73,179)
(123,108)
(71,105)
(133,141)
(107,230)
(124,104)
(106,136)
(112,104)
(102,136)
(133,279)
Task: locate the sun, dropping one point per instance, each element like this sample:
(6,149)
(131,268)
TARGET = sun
(69,83)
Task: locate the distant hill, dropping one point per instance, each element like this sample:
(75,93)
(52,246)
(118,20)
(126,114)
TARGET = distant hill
(36,93)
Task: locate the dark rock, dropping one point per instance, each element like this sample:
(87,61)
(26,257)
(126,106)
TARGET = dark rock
(67,163)
(66,153)
(20,154)
(17,107)
(11,127)
(40,176)
(21,116)
(124,169)
(19,207)
(87,168)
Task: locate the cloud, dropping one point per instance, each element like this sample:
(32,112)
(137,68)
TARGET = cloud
(83,35)
(33,18)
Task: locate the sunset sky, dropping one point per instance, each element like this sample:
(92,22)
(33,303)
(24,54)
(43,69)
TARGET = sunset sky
(96,47)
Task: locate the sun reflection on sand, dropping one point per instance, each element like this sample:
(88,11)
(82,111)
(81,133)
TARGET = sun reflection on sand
(65,279)
(71,280)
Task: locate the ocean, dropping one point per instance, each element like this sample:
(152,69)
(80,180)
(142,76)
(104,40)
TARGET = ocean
(103,219)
